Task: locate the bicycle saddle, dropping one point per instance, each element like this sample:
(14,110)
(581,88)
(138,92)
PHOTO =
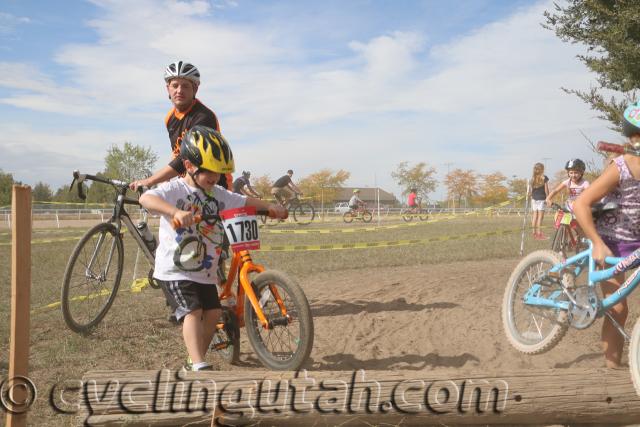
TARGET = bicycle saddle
(601,208)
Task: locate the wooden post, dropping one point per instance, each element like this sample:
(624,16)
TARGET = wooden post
(21,396)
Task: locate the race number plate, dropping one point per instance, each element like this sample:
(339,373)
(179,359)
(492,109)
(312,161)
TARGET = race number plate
(241,227)
(566,218)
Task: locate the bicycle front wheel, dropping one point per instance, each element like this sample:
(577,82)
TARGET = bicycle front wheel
(423,216)
(559,240)
(304,213)
(634,356)
(532,329)
(92,277)
(286,342)
(367,216)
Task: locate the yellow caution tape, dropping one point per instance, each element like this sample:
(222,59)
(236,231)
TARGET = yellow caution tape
(383,244)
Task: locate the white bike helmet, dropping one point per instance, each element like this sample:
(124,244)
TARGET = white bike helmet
(184,70)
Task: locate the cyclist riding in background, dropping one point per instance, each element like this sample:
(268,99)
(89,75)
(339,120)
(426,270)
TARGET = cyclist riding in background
(575,184)
(412,199)
(182,80)
(356,202)
(284,189)
(242,185)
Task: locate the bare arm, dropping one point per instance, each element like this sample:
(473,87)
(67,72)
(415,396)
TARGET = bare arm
(248,191)
(554,192)
(602,186)
(164,174)
(295,187)
(275,210)
(158,205)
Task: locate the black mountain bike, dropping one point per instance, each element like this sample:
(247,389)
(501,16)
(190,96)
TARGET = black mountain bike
(94,270)
(303,213)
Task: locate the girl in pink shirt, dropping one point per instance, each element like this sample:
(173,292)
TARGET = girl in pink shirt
(575,184)
(615,233)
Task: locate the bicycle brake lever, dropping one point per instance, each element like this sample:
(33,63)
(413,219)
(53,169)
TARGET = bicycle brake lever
(77,176)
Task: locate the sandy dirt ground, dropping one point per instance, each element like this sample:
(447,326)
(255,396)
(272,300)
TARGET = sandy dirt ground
(426,317)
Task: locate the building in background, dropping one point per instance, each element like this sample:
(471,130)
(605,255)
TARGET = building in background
(368,195)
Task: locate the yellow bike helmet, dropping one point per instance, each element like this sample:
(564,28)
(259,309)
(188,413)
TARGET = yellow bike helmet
(207,149)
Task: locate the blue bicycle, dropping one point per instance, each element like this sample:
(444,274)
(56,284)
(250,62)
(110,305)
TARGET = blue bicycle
(542,300)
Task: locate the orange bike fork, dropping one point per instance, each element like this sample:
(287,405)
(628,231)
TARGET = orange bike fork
(247,266)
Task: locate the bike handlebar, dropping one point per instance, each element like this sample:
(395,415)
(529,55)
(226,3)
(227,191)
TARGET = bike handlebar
(618,148)
(199,218)
(81,177)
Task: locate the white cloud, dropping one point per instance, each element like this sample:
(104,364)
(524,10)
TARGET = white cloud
(486,100)
(9,22)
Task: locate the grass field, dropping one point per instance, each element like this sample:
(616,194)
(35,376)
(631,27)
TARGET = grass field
(135,333)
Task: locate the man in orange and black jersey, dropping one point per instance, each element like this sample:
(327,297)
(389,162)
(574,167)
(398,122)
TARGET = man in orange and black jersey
(183,80)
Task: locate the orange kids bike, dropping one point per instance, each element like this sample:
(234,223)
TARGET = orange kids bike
(270,305)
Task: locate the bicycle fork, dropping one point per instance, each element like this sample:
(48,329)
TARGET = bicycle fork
(89,270)
(246,285)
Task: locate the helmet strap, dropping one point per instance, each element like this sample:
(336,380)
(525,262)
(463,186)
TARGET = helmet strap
(193,178)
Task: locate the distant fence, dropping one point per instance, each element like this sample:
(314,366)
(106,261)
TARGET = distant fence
(103,214)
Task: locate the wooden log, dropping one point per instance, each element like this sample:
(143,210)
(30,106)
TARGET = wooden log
(595,396)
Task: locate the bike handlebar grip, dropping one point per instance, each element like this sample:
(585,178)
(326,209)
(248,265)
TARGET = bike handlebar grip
(176,224)
(81,191)
(609,147)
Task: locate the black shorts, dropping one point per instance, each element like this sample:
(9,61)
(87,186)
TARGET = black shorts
(185,296)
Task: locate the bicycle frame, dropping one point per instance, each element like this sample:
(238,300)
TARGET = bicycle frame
(118,215)
(618,265)
(242,266)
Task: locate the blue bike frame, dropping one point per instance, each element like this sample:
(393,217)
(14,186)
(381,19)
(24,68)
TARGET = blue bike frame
(577,262)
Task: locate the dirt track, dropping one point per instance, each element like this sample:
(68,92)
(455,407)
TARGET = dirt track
(425,317)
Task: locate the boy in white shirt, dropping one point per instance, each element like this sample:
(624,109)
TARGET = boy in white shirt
(189,282)
(355,202)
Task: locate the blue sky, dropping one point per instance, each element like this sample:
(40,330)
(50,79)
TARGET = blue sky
(357,85)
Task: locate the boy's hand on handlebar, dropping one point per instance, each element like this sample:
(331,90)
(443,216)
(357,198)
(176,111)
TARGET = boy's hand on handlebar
(137,184)
(278,212)
(182,218)
(600,252)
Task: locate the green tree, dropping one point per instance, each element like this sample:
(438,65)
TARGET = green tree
(420,177)
(62,194)
(610,30)
(6,182)
(324,183)
(42,192)
(98,192)
(129,163)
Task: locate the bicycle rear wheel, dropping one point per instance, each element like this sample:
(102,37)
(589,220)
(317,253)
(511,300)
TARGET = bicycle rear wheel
(634,356)
(226,340)
(92,277)
(367,216)
(406,216)
(347,217)
(531,329)
(287,341)
(304,213)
